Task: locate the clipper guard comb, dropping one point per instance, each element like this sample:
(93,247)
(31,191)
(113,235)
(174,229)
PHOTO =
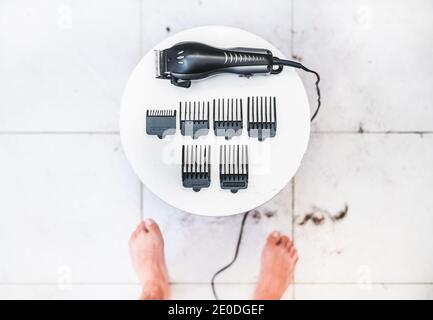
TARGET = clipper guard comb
(262,117)
(196,166)
(160,122)
(194,118)
(227,117)
(233,167)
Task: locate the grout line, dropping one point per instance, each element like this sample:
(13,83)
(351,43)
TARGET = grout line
(293,208)
(306,283)
(291,28)
(205,283)
(141,202)
(390,132)
(69,284)
(293,231)
(59,132)
(140,32)
(363,284)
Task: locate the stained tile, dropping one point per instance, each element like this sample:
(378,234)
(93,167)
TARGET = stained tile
(69,204)
(198,246)
(161,19)
(63,65)
(386,233)
(374,61)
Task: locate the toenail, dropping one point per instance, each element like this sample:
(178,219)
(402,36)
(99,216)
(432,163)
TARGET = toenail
(276,234)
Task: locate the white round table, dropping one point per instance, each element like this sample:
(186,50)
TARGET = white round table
(157,162)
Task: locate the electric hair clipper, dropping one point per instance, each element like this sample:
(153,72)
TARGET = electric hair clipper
(188,61)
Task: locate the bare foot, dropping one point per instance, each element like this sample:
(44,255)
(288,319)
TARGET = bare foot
(146,248)
(279,259)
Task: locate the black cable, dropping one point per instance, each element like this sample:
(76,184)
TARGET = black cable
(280,62)
(317,90)
(294,64)
(234,258)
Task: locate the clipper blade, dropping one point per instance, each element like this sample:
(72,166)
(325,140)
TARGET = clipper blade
(262,117)
(161,65)
(194,118)
(227,117)
(233,167)
(196,166)
(160,122)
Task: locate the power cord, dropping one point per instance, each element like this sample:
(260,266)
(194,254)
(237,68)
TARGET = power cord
(294,64)
(278,62)
(234,258)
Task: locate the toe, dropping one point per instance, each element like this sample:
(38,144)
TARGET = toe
(289,245)
(294,253)
(274,237)
(133,236)
(140,227)
(152,226)
(284,240)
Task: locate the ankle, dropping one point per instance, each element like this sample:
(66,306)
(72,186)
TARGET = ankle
(266,294)
(154,291)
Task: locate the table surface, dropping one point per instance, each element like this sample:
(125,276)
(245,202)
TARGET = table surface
(272,163)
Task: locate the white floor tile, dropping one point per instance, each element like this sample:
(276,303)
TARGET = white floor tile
(63,65)
(198,246)
(374,60)
(69,292)
(204,291)
(124,292)
(355,292)
(69,204)
(386,234)
(224,291)
(270,20)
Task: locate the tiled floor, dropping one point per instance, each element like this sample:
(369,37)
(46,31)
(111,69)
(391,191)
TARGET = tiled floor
(69,200)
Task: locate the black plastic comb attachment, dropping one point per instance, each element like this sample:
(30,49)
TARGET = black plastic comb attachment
(233,167)
(194,118)
(262,117)
(160,122)
(227,117)
(196,166)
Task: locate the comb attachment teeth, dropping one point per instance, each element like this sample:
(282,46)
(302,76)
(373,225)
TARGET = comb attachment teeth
(262,117)
(227,115)
(196,166)
(233,167)
(160,122)
(194,118)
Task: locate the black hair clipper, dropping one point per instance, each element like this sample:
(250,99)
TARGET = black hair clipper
(188,61)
